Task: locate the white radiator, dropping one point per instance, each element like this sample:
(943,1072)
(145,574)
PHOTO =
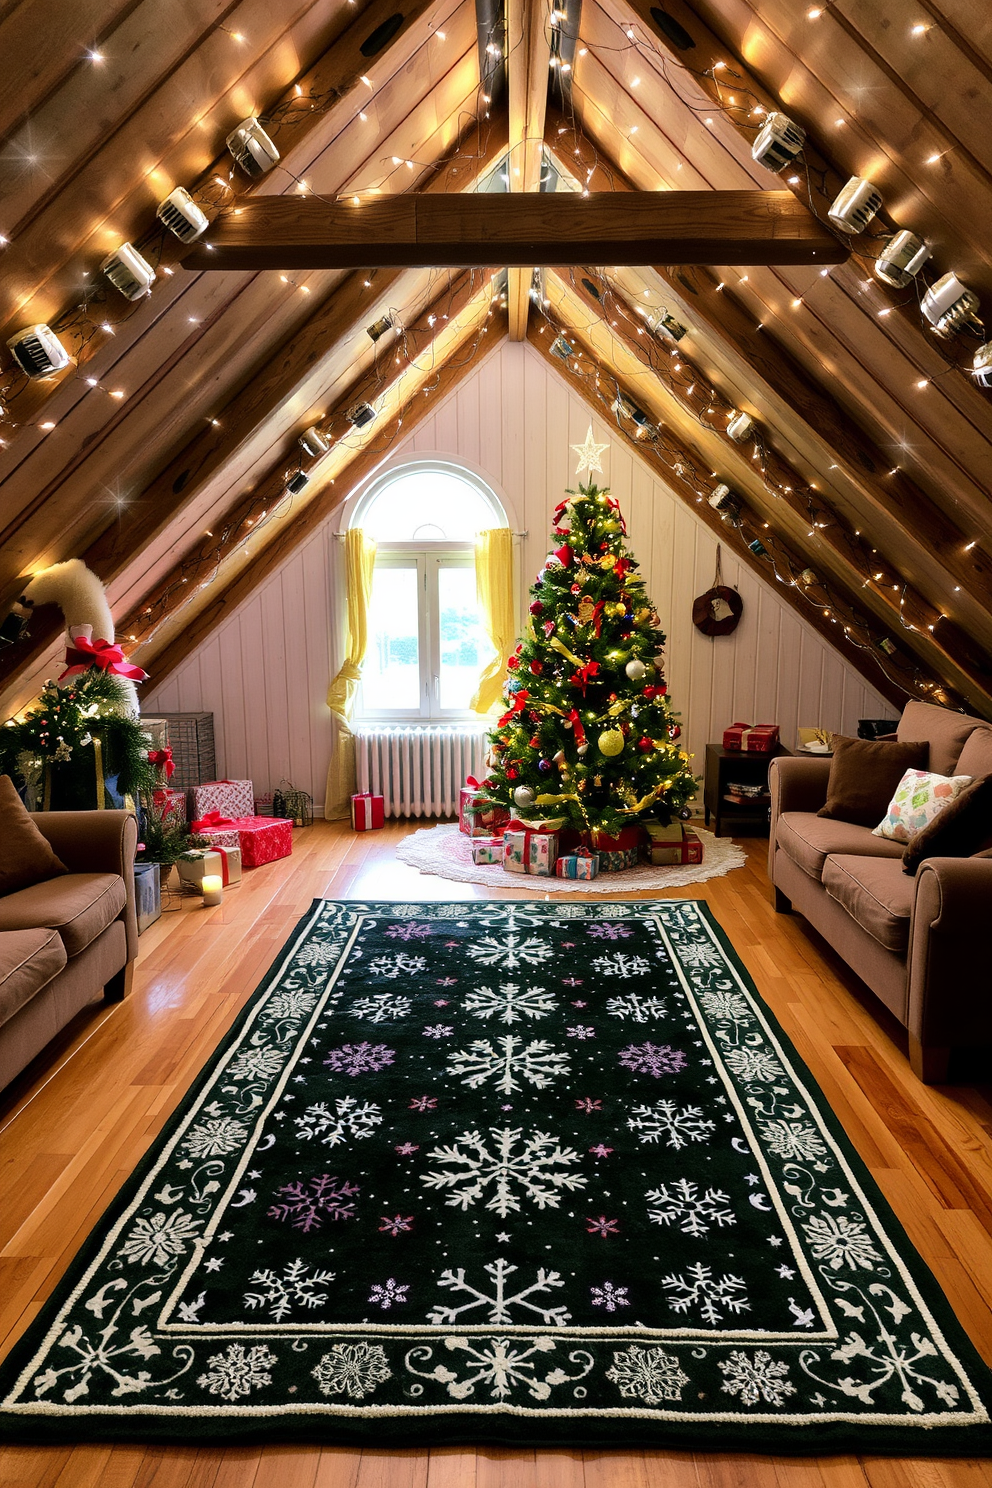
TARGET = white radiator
(419,769)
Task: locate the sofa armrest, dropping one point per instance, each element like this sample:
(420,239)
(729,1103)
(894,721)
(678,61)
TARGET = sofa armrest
(97,842)
(794,785)
(950,998)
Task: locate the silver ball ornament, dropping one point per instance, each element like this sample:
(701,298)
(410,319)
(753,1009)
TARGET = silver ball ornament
(581,749)
(635,669)
(523,796)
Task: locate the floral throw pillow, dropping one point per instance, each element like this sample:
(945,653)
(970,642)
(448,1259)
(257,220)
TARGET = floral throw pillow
(919,797)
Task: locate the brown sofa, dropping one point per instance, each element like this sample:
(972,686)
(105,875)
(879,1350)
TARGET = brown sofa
(920,943)
(70,940)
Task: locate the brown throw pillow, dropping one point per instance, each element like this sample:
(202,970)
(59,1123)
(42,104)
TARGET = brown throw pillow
(864,775)
(961,829)
(25,855)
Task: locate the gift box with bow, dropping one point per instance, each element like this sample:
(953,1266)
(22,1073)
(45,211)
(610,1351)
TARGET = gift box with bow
(487,849)
(578,864)
(260,839)
(526,850)
(670,845)
(751,738)
(477,815)
(234,798)
(199,864)
(367,811)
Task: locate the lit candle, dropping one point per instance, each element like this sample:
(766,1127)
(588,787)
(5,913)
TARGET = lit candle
(213,888)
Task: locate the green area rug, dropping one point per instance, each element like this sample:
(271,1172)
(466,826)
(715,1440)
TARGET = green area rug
(535,1174)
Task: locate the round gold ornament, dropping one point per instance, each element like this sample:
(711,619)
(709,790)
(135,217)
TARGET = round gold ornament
(607,561)
(611,743)
(615,608)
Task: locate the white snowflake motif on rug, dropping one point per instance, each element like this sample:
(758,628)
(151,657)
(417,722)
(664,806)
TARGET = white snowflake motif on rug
(511,1003)
(497,1298)
(638,1009)
(620,964)
(238,1371)
(296,1286)
(538,1165)
(259,1063)
(676,1126)
(841,1242)
(537,1063)
(697,1288)
(384,1007)
(400,964)
(158,1241)
(754,1064)
(215,1137)
(758,1378)
(349,1118)
(683,1205)
(352,1369)
(511,951)
(648,1374)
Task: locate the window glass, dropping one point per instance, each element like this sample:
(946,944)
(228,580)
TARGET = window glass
(391,670)
(427,506)
(464,646)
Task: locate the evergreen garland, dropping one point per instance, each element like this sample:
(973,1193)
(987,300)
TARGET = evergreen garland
(589,735)
(50,753)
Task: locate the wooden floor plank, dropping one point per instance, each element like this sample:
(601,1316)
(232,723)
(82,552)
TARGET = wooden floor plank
(72,1128)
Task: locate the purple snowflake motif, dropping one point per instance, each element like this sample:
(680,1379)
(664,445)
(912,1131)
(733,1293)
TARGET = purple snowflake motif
(439,1031)
(602,1226)
(410,930)
(360,1059)
(653,1059)
(609,931)
(609,1296)
(387,1293)
(588,1105)
(306,1208)
(400,1224)
(423,1103)
(580,1031)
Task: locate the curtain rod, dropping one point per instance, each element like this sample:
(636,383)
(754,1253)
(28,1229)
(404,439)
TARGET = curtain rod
(342,535)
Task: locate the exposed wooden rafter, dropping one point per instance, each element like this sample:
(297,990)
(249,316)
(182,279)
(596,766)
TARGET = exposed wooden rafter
(527,62)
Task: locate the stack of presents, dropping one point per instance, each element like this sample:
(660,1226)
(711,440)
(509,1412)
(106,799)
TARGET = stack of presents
(545,850)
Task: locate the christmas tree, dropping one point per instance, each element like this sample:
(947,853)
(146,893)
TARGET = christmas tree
(588,734)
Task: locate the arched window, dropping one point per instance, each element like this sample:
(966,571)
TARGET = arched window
(427,642)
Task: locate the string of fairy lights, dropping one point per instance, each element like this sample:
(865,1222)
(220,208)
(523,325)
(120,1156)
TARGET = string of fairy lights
(253,146)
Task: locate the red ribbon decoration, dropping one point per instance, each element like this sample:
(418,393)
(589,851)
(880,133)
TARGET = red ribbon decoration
(163,759)
(564,555)
(104,655)
(211,822)
(582,677)
(577,729)
(471,780)
(517,706)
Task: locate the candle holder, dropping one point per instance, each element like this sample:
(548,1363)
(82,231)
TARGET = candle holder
(213,889)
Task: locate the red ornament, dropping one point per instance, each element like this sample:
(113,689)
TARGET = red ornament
(644,744)
(512,662)
(537,667)
(675,732)
(511,773)
(536,607)
(576,588)
(535,743)
(661,689)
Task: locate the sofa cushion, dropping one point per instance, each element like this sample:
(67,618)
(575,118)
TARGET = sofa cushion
(946,731)
(864,775)
(79,906)
(808,838)
(26,857)
(29,959)
(876,894)
(919,799)
(962,829)
(976,756)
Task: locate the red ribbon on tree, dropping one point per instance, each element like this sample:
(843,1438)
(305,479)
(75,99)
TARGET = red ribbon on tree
(577,729)
(162,758)
(564,555)
(582,677)
(211,822)
(104,655)
(517,706)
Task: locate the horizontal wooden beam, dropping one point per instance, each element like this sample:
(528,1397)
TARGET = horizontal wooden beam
(526,229)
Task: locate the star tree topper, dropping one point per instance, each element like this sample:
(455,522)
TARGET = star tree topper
(589,454)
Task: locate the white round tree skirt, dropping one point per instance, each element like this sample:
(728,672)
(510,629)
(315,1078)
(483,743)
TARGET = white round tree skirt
(447,852)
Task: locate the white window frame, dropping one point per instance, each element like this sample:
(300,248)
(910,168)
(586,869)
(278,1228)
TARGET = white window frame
(428,557)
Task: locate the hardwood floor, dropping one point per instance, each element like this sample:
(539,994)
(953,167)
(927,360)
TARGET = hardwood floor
(76,1123)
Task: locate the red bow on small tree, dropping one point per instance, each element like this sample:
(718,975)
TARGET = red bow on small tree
(104,655)
(162,759)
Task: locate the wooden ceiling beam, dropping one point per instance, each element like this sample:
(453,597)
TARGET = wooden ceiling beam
(528,61)
(347,310)
(337,73)
(908,618)
(892,493)
(161,657)
(678,476)
(527,229)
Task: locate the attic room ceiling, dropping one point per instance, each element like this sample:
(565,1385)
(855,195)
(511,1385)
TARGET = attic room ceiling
(162,452)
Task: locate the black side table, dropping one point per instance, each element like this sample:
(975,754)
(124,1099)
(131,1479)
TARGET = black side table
(727,767)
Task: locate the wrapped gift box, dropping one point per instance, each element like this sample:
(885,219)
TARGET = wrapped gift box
(487,849)
(682,847)
(230,797)
(528,851)
(616,861)
(263,839)
(751,738)
(477,815)
(222,836)
(170,804)
(147,894)
(367,811)
(231,863)
(626,839)
(579,864)
(201,863)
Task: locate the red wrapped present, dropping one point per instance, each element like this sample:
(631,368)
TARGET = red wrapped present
(751,738)
(263,839)
(677,846)
(477,815)
(626,839)
(234,798)
(367,811)
(221,830)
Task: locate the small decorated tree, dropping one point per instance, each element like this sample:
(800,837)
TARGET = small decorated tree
(588,733)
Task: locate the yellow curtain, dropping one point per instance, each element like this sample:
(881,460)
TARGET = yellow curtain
(494,588)
(359,556)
